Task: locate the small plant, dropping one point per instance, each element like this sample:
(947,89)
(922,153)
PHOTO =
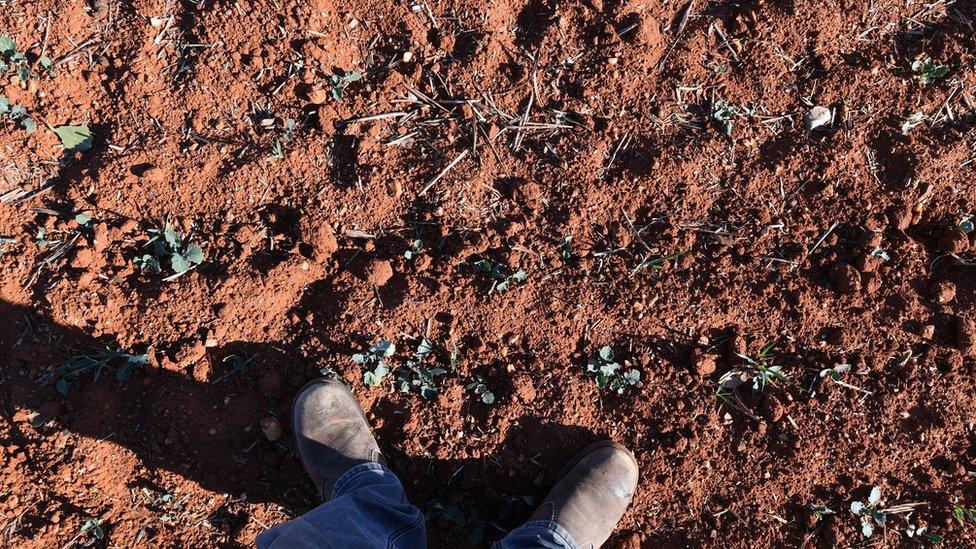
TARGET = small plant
(820,511)
(341,82)
(75,138)
(967,225)
(658,264)
(928,71)
(238,364)
(12,59)
(374,360)
(566,247)
(4,241)
(171,250)
(98,363)
(913,120)
(923,533)
(416,376)
(869,512)
(416,247)
(481,391)
(502,282)
(835,374)
(607,372)
(16,113)
(762,372)
(881,254)
(278,149)
(962,513)
(723,114)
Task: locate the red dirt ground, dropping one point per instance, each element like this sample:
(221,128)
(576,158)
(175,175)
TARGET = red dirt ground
(557,119)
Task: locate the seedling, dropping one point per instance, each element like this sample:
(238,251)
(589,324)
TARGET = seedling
(723,114)
(470,522)
(98,363)
(502,282)
(913,120)
(835,373)
(820,511)
(481,391)
(91,526)
(759,370)
(928,71)
(608,373)
(374,360)
(75,138)
(4,241)
(341,82)
(869,512)
(16,113)
(881,254)
(237,364)
(658,264)
(566,247)
(278,149)
(416,376)
(962,514)
(923,533)
(416,247)
(169,249)
(967,225)
(12,59)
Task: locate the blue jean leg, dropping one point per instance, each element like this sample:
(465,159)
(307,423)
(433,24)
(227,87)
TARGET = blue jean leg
(368,510)
(537,534)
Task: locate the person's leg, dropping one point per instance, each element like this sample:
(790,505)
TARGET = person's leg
(364,503)
(586,503)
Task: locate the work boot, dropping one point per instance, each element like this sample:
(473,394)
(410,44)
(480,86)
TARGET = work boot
(331,433)
(592,493)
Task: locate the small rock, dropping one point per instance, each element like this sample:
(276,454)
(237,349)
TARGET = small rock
(816,117)
(845,278)
(966,335)
(943,291)
(928,331)
(703,363)
(271,428)
(323,240)
(953,241)
(900,216)
(773,409)
(318,96)
(380,272)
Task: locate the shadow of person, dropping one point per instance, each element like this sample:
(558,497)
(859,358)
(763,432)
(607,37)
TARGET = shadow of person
(209,432)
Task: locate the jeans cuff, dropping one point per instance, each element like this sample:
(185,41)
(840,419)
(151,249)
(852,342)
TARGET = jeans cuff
(370,467)
(558,538)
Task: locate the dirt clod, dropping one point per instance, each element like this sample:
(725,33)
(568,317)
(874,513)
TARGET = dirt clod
(380,272)
(966,335)
(703,363)
(953,241)
(943,291)
(845,278)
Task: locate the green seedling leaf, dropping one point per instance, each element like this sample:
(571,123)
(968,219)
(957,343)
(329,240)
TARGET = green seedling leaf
(28,124)
(75,138)
(4,104)
(82,220)
(7,45)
